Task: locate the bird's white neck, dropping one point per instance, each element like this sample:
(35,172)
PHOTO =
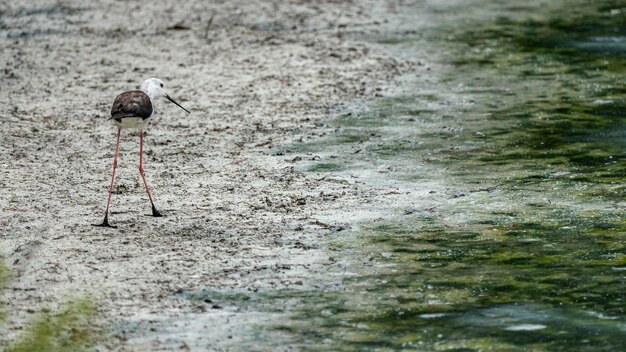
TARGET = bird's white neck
(151,91)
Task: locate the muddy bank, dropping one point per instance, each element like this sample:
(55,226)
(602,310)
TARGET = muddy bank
(238,213)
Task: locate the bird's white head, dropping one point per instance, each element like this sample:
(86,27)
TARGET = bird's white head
(154,88)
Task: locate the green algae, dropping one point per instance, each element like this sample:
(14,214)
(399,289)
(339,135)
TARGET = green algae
(70,328)
(67,330)
(552,148)
(562,142)
(4,277)
(443,275)
(326,167)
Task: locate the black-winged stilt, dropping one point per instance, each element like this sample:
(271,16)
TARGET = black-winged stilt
(132,109)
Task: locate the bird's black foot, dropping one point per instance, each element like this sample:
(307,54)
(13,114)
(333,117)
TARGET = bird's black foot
(105,223)
(155,212)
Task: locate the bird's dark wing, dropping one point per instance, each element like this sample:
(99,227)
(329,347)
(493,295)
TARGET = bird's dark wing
(133,103)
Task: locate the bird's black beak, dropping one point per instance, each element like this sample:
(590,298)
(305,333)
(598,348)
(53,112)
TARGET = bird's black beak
(174,101)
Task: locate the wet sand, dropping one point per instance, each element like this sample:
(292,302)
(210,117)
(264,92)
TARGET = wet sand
(238,213)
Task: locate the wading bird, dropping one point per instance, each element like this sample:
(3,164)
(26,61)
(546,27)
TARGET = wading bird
(132,109)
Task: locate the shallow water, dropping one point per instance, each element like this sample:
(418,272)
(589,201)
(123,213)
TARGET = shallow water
(526,248)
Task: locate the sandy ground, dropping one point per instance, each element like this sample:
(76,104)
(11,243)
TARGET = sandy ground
(256,75)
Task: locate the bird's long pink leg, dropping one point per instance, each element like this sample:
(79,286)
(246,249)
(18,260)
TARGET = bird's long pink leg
(155,212)
(105,223)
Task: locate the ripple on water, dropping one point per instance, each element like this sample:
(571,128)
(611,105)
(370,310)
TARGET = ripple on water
(615,44)
(525,327)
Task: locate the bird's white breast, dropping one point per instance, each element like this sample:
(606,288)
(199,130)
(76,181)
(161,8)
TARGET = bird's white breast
(131,122)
